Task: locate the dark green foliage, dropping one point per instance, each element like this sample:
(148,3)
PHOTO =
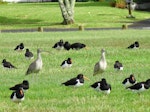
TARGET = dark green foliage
(141,1)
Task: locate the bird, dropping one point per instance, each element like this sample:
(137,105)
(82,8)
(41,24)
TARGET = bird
(59,45)
(147,82)
(67,45)
(96,85)
(100,66)
(19,47)
(105,87)
(138,87)
(66,63)
(24,85)
(76,81)
(36,65)
(7,64)
(134,45)
(28,54)
(17,96)
(78,46)
(102,86)
(129,81)
(118,65)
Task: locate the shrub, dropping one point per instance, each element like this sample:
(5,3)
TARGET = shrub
(141,1)
(118,3)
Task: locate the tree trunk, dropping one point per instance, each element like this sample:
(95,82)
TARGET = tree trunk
(67,10)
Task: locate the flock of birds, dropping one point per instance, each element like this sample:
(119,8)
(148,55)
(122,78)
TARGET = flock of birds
(67,46)
(102,85)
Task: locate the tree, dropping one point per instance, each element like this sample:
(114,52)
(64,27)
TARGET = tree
(67,10)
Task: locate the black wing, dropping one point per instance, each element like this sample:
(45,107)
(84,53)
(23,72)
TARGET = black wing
(70,82)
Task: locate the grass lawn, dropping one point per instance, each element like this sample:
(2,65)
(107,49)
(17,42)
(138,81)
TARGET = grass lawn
(89,14)
(46,94)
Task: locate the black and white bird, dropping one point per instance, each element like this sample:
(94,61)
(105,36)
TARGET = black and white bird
(7,64)
(147,82)
(129,81)
(66,63)
(36,65)
(59,45)
(78,45)
(17,96)
(77,81)
(96,85)
(118,65)
(28,54)
(19,47)
(134,45)
(67,45)
(100,66)
(138,87)
(24,85)
(105,87)
(102,86)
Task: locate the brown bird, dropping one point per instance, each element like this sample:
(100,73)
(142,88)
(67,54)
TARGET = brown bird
(36,65)
(101,65)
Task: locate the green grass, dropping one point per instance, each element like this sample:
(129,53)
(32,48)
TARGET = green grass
(46,93)
(89,14)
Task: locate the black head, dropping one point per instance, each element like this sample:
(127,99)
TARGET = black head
(69,61)
(132,77)
(147,82)
(4,60)
(117,61)
(27,50)
(103,80)
(83,45)
(136,42)
(61,40)
(20,91)
(25,82)
(80,76)
(21,44)
(66,42)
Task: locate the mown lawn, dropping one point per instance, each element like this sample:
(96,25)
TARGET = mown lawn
(89,14)
(46,94)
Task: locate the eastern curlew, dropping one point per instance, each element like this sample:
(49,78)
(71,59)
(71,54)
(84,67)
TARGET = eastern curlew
(36,65)
(101,65)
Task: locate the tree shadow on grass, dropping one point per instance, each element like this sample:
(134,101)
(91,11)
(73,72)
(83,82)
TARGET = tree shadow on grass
(13,21)
(92,4)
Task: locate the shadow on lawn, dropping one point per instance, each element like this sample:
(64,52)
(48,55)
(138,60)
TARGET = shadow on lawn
(13,21)
(92,4)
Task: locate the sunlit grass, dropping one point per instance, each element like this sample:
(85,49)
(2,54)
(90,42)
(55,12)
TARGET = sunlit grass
(46,94)
(89,14)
